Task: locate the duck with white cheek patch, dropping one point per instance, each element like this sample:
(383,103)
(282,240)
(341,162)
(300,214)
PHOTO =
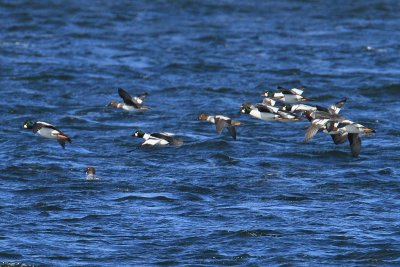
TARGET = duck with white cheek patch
(158,139)
(48,131)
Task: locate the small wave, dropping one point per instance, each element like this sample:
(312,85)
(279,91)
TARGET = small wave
(385,90)
(141,197)
(221,90)
(195,189)
(292,198)
(62,77)
(252,233)
(46,207)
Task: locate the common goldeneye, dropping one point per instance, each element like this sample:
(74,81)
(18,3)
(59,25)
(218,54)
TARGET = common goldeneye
(159,139)
(130,103)
(48,131)
(287,95)
(267,113)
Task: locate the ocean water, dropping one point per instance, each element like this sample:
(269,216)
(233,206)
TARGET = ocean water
(267,199)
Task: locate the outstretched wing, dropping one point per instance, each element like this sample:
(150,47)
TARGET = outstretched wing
(335,108)
(220,124)
(232,132)
(139,99)
(127,98)
(312,130)
(355,144)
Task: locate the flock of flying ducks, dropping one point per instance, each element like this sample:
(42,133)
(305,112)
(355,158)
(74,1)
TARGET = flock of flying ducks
(280,105)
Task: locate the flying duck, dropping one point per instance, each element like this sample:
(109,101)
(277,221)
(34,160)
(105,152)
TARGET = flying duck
(287,95)
(221,122)
(261,111)
(158,139)
(130,103)
(48,131)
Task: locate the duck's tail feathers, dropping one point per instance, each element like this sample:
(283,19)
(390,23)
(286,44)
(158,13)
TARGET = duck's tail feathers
(65,138)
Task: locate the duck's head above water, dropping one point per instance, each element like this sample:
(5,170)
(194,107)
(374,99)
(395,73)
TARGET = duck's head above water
(28,124)
(203,117)
(138,134)
(90,170)
(113,104)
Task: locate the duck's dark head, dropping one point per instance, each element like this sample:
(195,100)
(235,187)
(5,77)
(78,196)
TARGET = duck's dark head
(246,107)
(309,114)
(268,94)
(28,124)
(90,170)
(138,134)
(203,117)
(287,107)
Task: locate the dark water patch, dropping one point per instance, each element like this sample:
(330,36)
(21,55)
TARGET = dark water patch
(195,189)
(258,233)
(46,77)
(380,256)
(46,207)
(138,197)
(214,39)
(14,264)
(293,198)
(386,171)
(221,90)
(224,159)
(37,190)
(390,91)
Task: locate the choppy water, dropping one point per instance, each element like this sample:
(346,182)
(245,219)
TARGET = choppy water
(266,199)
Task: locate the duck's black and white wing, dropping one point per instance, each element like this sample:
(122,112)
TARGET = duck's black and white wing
(126,97)
(40,125)
(139,99)
(162,136)
(335,108)
(293,91)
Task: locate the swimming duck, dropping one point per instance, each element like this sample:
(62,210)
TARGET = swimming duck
(48,131)
(287,95)
(221,122)
(91,174)
(161,139)
(130,103)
